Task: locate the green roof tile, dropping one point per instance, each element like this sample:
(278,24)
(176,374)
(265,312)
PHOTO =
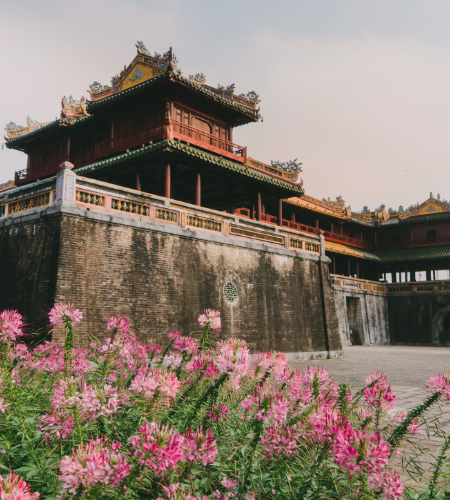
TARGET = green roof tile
(415,254)
(189,150)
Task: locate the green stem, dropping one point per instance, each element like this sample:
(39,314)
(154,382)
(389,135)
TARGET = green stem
(400,431)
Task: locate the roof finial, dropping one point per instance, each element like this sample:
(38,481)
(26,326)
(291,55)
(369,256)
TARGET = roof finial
(170,65)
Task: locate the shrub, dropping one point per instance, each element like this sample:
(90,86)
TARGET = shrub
(202,419)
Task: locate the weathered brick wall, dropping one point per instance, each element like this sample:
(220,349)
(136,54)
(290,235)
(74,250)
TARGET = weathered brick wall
(28,268)
(161,281)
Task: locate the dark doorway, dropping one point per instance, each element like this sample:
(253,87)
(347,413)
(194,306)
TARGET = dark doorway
(355,320)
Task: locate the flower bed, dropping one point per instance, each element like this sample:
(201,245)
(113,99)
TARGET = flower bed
(201,419)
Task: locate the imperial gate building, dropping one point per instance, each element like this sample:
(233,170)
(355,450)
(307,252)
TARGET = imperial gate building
(138,202)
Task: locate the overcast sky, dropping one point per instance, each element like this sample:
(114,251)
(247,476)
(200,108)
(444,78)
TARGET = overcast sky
(357,90)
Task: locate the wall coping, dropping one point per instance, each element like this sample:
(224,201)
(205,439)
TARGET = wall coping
(139,223)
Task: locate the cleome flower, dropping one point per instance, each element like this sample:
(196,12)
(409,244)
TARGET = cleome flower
(10,325)
(199,446)
(158,447)
(213,318)
(13,487)
(97,462)
(61,313)
(233,357)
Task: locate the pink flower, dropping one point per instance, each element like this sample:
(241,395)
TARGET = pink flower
(279,440)
(96,462)
(233,357)
(212,317)
(56,425)
(10,325)
(2,406)
(118,324)
(12,487)
(218,412)
(278,410)
(146,384)
(228,483)
(173,359)
(59,313)
(388,483)
(183,344)
(440,384)
(199,447)
(360,452)
(158,446)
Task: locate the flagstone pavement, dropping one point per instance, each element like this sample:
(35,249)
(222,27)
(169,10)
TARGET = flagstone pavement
(408,369)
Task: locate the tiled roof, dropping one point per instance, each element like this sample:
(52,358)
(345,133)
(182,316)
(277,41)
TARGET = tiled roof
(414,219)
(196,153)
(415,254)
(180,78)
(59,121)
(392,221)
(354,252)
(361,222)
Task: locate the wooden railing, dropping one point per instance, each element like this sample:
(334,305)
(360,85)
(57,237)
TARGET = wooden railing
(127,141)
(134,139)
(39,170)
(297,226)
(208,141)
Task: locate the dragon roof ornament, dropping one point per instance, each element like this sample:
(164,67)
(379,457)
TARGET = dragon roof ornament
(73,109)
(198,78)
(13,130)
(288,166)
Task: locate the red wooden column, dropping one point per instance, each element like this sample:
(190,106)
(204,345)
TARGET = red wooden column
(258,206)
(317,225)
(293,217)
(280,212)
(167,182)
(68,149)
(138,181)
(334,264)
(198,190)
(349,269)
(357,269)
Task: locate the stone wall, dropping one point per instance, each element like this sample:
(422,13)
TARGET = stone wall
(161,277)
(363,313)
(29,254)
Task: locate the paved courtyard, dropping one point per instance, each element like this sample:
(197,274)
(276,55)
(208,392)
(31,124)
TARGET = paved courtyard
(407,369)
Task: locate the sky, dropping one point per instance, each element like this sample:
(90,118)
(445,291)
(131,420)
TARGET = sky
(357,90)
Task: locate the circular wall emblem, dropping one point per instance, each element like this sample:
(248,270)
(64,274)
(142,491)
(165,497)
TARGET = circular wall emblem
(230,292)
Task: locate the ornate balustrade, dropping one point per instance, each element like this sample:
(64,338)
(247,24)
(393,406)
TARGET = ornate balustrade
(420,287)
(349,283)
(208,141)
(289,176)
(104,197)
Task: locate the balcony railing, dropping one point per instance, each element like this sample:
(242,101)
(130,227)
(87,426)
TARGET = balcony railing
(127,141)
(134,139)
(208,141)
(297,226)
(39,170)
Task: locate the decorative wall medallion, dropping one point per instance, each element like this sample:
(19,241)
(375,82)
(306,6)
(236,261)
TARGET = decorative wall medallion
(230,293)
